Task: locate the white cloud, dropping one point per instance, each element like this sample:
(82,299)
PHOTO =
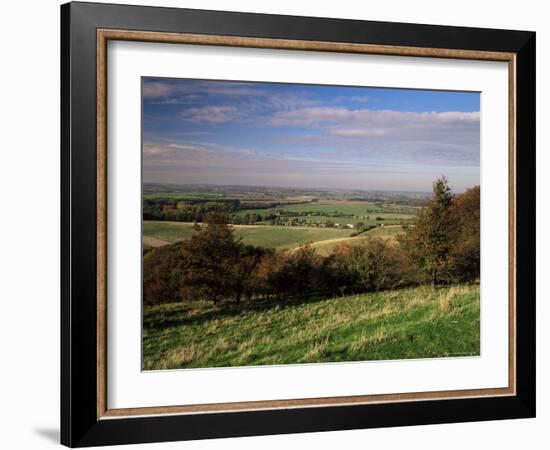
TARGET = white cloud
(453,135)
(316,116)
(158,89)
(194,89)
(320,116)
(318,141)
(212,114)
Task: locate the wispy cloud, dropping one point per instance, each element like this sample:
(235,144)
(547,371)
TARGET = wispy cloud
(212,114)
(196,163)
(278,133)
(193,89)
(156,89)
(429,136)
(387,119)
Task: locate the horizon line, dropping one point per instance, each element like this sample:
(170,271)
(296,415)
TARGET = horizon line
(298,188)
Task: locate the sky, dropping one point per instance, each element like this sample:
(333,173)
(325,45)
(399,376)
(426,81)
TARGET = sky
(308,136)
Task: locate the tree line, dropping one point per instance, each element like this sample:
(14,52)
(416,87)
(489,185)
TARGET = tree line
(158,208)
(441,246)
(185,211)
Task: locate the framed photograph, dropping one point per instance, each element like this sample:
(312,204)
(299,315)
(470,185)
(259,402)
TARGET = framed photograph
(276,224)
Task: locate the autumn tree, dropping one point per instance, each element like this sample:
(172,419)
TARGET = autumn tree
(336,273)
(373,265)
(210,256)
(162,274)
(243,272)
(301,270)
(466,251)
(429,241)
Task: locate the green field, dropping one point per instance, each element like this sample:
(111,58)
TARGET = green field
(326,247)
(390,232)
(278,237)
(387,219)
(341,212)
(409,323)
(344,207)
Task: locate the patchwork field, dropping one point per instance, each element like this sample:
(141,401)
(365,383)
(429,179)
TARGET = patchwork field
(339,211)
(409,323)
(343,207)
(324,240)
(157,233)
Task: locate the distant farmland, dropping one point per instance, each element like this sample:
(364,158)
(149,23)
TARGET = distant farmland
(157,233)
(324,240)
(340,211)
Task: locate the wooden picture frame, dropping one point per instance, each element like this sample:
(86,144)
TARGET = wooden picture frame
(86,418)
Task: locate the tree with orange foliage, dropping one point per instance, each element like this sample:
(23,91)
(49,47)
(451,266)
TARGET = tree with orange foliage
(466,249)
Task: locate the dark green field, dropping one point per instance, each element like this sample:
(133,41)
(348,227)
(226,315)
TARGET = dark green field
(409,323)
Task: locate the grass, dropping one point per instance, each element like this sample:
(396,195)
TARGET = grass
(167,231)
(389,233)
(410,323)
(279,237)
(386,232)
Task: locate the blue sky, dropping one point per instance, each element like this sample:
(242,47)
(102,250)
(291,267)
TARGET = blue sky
(308,136)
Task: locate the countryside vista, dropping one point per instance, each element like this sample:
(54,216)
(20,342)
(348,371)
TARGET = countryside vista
(291,223)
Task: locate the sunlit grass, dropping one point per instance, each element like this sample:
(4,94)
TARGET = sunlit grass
(409,323)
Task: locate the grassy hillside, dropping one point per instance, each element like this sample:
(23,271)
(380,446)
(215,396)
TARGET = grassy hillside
(389,233)
(262,235)
(409,323)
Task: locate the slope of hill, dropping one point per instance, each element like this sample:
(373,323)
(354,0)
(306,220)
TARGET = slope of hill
(409,323)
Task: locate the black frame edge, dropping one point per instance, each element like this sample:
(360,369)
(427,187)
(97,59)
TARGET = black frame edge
(79,425)
(301,420)
(78,240)
(65,435)
(526,223)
